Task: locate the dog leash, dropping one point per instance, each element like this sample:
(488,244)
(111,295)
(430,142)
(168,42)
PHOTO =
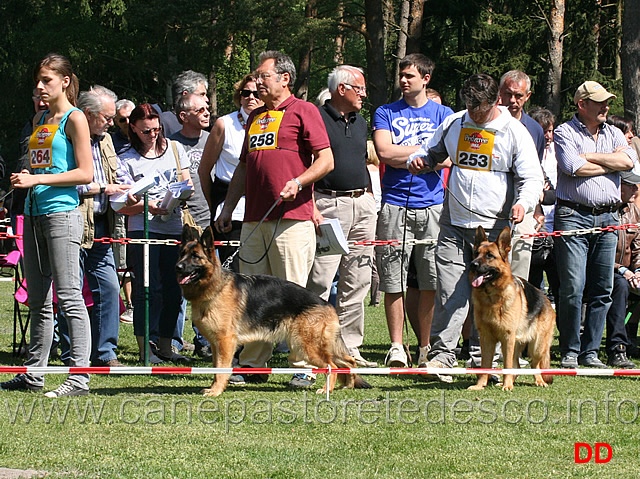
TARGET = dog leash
(437,172)
(405,316)
(229,260)
(5,196)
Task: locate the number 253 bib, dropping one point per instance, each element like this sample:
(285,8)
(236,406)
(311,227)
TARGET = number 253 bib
(263,132)
(40,146)
(475,149)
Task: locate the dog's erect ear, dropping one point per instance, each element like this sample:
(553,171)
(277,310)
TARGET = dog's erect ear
(504,243)
(188,234)
(481,237)
(207,241)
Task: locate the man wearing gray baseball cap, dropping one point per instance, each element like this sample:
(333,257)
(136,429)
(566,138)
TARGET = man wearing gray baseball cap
(591,154)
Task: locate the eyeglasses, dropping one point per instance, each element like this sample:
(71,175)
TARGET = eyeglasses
(149,130)
(247,93)
(200,110)
(360,90)
(108,119)
(123,119)
(265,76)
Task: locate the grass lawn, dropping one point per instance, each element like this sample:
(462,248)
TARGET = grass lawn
(406,426)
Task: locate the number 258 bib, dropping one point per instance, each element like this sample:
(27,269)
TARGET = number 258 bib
(263,132)
(40,146)
(475,149)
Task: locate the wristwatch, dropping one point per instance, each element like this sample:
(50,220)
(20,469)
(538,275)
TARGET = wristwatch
(103,187)
(298,182)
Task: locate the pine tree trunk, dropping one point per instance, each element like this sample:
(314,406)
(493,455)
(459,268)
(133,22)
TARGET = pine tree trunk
(618,39)
(401,49)
(338,56)
(555,39)
(375,54)
(415,26)
(304,68)
(631,60)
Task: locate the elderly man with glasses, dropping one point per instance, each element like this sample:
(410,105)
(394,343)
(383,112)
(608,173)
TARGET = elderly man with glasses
(345,195)
(286,150)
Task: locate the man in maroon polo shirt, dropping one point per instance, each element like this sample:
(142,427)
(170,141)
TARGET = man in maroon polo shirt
(286,150)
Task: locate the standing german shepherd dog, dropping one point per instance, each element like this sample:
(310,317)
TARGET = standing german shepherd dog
(232,309)
(508,309)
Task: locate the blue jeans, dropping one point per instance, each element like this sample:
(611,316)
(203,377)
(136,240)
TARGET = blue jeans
(616,332)
(98,265)
(51,250)
(176,341)
(580,257)
(199,341)
(165,295)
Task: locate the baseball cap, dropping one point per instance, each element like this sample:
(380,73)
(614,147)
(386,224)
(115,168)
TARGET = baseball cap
(629,177)
(591,90)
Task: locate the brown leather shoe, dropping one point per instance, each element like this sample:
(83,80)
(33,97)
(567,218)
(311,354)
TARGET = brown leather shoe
(111,363)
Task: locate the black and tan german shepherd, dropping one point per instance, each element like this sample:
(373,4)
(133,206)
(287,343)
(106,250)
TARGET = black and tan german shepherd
(508,309)
(232,309)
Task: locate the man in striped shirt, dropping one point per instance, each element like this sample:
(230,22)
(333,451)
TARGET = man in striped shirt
(590,155)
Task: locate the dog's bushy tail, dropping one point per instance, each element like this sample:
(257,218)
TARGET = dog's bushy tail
(342,359)
(360,383)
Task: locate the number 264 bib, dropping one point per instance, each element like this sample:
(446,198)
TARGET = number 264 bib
(40,146)
(263,132)
(475,149)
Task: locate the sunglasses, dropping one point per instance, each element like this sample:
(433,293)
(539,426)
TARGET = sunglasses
(200,110)
(123,119)
(150,130)
(247,93)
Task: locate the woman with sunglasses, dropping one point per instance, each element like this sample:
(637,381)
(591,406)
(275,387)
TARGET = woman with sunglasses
(152,155)
(220,158)
(60,158)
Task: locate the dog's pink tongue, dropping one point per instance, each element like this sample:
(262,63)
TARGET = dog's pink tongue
(478,281)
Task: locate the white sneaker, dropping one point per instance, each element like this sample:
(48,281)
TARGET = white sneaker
(127,316)
(396,357)
(66,389)
(423,351)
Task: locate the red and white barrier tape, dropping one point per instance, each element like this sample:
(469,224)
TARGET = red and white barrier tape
(394,242)
(361,371)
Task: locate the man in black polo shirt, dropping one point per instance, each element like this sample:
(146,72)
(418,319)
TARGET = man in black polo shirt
(344,194)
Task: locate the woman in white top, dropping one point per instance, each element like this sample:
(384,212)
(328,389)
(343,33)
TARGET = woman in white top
(221,156)
(152,155)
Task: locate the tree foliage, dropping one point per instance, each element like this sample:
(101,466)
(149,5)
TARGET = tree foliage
(136,47)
